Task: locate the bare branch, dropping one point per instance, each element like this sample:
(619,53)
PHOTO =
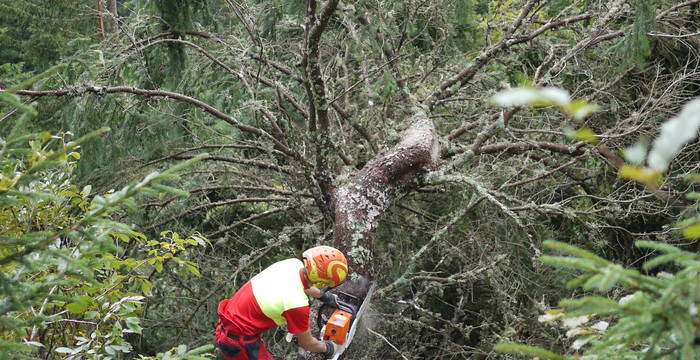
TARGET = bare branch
(205,53)
(319,122)
(360,129)
(676,7)
(388,342)
(543,175)
(255,163)
(464,129)
(214,205)
(410,266)
(574,150)
(596,35)
(248,220)
(203,147)
(100,15)
(168,95)
(244,263)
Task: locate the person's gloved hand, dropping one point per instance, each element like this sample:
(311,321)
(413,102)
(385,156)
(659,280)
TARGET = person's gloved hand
(331,348)
(329,299)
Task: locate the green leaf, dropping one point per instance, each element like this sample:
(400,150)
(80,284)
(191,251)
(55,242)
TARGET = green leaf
(587,135)
(14,100)
(76,308)
(579,110)
(122,237)
(192,267)
(569,262)
(110,350)
(579,281)
(186,164)
(146,287)
(692,231)
(87,301)
(683,326)
(201,349)
(606,280)
(63,350)
(91,315)
(37,78)
(695,196)
(132,323)
(589,305)
(646,176)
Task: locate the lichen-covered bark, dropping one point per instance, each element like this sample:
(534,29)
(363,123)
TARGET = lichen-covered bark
(360,203)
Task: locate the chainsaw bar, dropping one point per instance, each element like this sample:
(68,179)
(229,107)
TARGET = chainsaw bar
(355,321)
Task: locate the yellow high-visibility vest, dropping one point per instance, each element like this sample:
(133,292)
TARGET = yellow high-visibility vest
(279,288)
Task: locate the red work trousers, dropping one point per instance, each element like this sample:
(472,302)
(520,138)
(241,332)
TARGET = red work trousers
(235,347)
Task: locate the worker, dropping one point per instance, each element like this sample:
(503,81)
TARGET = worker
(276,296)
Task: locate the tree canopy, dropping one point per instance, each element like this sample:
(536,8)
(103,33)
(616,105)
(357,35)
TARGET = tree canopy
(156,154)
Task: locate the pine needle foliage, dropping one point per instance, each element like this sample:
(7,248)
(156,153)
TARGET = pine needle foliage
(67,289)
(635,48)
(23,35)
(179,17)
(473,286)
(657,320)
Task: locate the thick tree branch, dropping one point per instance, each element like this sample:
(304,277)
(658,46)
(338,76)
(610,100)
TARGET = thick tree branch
(360,203)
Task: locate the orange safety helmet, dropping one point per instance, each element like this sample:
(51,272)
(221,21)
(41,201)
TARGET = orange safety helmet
(325,266)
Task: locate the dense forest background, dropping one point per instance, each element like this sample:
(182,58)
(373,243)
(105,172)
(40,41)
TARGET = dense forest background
(158,153)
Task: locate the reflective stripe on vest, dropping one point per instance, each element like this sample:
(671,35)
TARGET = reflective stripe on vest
(278,289)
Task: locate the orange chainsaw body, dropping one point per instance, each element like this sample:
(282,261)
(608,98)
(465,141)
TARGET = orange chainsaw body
(338,326)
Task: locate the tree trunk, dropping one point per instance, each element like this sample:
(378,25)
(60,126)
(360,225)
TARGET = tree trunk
(115,15)
(100,14)
(360,204)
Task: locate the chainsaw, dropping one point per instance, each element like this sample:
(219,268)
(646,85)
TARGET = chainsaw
(341,326)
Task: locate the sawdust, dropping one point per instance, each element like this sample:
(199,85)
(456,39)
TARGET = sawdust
(360,348)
